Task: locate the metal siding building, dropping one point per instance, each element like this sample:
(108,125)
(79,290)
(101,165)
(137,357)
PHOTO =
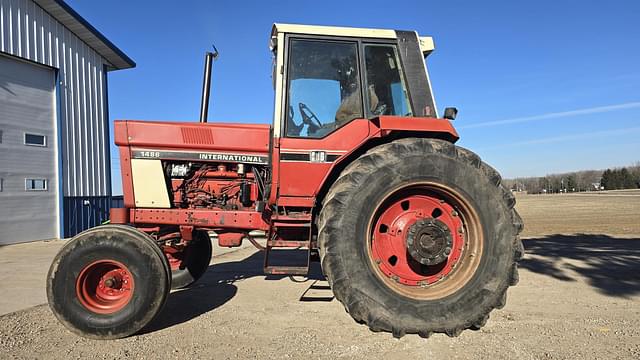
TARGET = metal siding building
(62,58)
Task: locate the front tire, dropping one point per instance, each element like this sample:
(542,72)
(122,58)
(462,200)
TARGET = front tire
(194,263)
(108,282)
(418,236)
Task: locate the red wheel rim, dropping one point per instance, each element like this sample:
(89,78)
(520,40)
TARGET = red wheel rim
(425,241)
(105,286)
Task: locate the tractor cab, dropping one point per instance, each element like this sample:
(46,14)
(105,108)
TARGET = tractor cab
(325,77)
(336,88)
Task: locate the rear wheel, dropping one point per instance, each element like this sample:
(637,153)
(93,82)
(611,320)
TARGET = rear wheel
(418,236)
(108,282)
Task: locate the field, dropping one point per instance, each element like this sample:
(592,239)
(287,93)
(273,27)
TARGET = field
(605,212)
(578,298)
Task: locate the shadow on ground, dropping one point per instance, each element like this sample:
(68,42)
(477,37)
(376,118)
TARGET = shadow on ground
(216,287)
(611,265)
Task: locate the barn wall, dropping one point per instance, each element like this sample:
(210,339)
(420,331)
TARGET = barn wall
(29,32)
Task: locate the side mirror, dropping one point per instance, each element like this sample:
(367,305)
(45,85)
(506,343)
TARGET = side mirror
(450,113)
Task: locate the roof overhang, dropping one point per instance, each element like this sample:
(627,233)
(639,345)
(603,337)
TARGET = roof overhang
(68,17)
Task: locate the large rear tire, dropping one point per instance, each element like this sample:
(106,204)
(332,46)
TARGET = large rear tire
(195,261)
(108,282)
(419,236)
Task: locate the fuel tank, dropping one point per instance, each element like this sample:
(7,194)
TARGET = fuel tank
(207,141)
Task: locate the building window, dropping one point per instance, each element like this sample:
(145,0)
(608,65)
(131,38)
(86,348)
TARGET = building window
(35,184)
(35,139)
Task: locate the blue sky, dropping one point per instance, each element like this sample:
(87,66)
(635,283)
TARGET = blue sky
(542,86)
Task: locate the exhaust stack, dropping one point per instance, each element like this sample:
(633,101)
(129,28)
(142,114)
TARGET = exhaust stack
(206,84)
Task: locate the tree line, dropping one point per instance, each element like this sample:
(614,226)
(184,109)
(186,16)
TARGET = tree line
(587,180)
(622,178)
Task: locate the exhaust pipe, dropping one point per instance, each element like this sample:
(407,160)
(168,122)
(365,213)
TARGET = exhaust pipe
(206,84)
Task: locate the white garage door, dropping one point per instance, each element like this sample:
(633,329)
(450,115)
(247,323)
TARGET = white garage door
(28,143)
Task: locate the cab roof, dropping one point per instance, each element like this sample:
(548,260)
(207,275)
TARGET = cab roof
(426,42)
(333,31)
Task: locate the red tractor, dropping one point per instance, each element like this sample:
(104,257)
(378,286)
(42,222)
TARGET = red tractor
(414,234)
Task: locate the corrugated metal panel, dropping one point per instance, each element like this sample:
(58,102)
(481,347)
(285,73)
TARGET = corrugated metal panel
(29,32)
(85,31)
(82,213)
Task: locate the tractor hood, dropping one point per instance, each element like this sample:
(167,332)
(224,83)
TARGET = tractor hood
(225,138)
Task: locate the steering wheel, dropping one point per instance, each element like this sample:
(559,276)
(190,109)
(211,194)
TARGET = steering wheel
(308,117)
(380,110)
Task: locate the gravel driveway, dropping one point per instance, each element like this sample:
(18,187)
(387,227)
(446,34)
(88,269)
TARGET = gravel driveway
(578,298)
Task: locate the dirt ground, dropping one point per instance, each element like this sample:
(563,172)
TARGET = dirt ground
(578,298)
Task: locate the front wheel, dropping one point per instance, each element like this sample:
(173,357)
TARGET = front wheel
(108,282)
(418,236)
(192,263)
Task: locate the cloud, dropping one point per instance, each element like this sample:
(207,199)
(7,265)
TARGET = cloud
(588,135)
(587,111)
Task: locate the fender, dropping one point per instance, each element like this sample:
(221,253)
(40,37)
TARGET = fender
(387,124)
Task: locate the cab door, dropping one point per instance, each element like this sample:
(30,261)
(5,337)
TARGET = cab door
(324,117)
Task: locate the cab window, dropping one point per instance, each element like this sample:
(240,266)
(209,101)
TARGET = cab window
(385,89)
(323,85)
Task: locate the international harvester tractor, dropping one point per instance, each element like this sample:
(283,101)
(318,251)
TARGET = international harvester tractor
(414,234)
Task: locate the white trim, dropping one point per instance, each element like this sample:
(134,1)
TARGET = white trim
(426,44)
(334,31)
(279,93)
(57,84)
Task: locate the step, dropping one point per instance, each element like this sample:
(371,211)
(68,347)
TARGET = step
(296,217)
(286,270)
(285,224)
(288,244)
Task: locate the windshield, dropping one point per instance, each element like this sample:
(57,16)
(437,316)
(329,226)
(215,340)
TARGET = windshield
(323,87)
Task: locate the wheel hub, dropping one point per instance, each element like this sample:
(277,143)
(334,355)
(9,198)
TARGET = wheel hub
(429,241)
(418,240)
(105,286)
